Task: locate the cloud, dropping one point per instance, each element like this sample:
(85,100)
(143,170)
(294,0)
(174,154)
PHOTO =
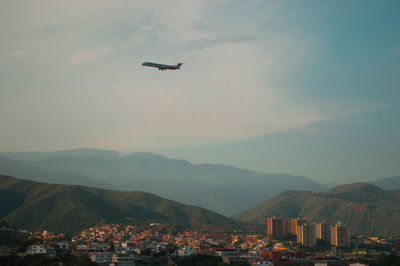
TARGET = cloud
(138,38)
(224,92)
(232,87)
(54,29)
(19,53)
(118,31)
(202,43)
(89,55)
(397,50)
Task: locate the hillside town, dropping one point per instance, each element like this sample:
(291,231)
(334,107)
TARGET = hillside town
(285,242)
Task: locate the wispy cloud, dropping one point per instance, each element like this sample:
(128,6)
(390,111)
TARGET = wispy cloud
(89,55)
(202,43)
(54,29)
(19,53)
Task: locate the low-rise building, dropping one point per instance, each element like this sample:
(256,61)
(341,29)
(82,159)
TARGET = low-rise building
(186,251)
(43,249)
(64,245)
(262,262)
(101,257)
(229,255)
(122,259)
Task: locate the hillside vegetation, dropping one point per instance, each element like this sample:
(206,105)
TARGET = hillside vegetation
(365,208)
(69,209)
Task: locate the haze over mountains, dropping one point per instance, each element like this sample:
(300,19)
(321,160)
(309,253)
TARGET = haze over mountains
(365,208)
(388,183)
(40,155)
(69,209)
(221,188)
(28,170)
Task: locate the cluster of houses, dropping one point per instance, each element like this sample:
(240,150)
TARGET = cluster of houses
(126,245)
(116,244)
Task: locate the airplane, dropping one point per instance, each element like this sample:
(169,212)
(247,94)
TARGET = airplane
(162,67)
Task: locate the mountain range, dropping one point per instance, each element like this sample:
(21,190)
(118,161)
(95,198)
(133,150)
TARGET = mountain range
(28,170)
(69,209)
(390,183)
(40,155)
(365,208)
(220,188)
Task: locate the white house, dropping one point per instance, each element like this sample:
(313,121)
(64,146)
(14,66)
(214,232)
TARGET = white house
(186,251)
(44,249)
(101,257)
(122,259)
(64,245)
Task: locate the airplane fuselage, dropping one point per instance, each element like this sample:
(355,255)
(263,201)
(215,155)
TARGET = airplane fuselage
(162,66)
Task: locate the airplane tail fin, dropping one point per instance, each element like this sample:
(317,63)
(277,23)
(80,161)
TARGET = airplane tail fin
(179,65)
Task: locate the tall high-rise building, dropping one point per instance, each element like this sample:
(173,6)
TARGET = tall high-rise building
(286,226)
(306,234)
(322,231)
(340,236)
(274,225)
(294,223)
(277,226)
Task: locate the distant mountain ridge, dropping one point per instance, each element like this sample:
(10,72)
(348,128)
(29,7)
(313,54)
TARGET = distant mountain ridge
(69,209)
(365,208)
(388,182)
(221,188)
(28,170)
(41,155)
